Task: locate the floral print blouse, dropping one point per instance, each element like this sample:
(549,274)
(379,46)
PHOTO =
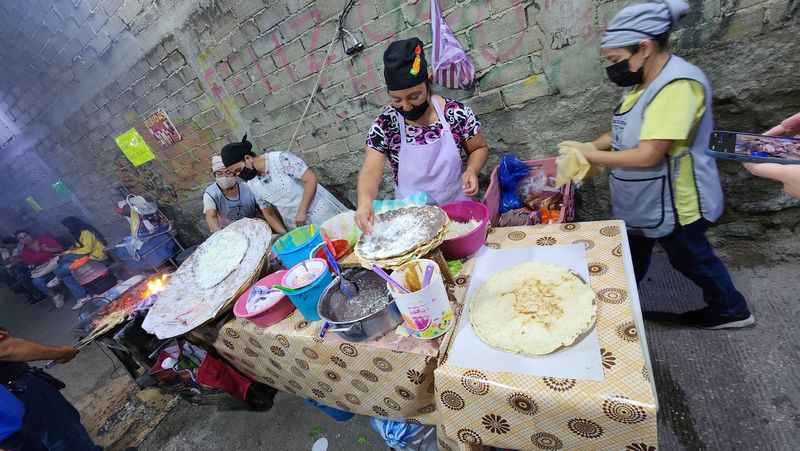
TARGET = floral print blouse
(384,134)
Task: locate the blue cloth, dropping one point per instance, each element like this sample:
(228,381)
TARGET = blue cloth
(690,253)
(396,434)
(51,423)
(11,413)
(63,273)
(41,283)
(641,21)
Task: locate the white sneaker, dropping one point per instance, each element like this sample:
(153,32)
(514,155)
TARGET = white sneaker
(58,300)
(80,302)
(53,282)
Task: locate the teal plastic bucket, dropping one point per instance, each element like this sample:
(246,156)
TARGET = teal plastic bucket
(295,246)
(307,297)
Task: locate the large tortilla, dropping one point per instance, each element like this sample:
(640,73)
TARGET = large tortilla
(185,304)
(219,256)
(532,309)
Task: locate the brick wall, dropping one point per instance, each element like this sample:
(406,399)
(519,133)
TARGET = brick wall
(224,68)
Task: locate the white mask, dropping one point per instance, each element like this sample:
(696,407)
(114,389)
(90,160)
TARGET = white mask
(226,182)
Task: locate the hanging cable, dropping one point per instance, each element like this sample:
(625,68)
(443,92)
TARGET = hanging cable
(340,32)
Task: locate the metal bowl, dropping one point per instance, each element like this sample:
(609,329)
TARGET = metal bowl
(368,315)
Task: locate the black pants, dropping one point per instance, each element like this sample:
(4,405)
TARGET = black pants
(23,275)
(690,253)
(51,423)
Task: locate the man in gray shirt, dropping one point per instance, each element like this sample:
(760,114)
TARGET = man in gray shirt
(228,200)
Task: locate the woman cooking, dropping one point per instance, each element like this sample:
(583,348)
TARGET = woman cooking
(424,136)
(662,183)
(281,179)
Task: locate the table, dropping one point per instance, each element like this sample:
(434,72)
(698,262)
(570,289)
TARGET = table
(391,377)
(528,412)
(396,377)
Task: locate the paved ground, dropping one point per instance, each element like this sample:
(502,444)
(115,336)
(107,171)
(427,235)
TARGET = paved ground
(717,390)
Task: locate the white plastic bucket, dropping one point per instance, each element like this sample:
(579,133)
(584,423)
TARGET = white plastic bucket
(426,313)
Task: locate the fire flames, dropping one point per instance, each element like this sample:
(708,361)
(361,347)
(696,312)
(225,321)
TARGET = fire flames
(155,285)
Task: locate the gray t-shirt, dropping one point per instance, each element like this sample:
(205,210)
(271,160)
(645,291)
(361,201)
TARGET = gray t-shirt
(230,210)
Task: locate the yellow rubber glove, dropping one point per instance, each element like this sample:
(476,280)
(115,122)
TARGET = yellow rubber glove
(583,148)
(571,164)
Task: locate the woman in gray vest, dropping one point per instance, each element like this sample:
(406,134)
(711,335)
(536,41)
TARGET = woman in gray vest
(662,184)
(226,200)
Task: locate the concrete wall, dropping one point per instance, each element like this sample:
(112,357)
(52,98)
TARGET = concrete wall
(82,72)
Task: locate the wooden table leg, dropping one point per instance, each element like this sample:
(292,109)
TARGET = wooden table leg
(437,256)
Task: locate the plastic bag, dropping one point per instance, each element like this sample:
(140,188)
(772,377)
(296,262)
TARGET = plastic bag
(405,436)
(343,227)
(384,205)
(452,67)
(510,172)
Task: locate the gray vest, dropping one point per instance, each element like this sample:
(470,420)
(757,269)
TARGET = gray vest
(644,198)
(231,210)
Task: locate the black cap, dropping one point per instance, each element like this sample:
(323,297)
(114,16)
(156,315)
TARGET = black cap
(398,64)
(233,153)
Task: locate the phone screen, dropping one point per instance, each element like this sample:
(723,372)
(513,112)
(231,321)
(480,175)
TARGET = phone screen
(767,146)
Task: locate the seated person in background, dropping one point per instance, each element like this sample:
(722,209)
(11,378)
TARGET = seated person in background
(227,200)
(38,251)
(88,242)
(15,273)
(788,174)
(7,247)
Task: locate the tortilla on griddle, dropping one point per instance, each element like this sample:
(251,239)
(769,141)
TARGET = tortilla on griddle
(398,232)
(219,256)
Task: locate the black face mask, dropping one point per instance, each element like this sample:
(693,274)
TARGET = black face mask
(621,75)
(247,173)
(416,111)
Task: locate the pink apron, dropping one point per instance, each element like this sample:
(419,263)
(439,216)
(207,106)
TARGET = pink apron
(433,168)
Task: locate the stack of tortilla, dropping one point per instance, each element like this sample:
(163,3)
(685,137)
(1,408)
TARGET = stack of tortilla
(399,236)
(532,309)
(211,279)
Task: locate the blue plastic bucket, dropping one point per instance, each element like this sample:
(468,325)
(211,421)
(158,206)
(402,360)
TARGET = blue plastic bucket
(294,247)
(339,415)
(307,297)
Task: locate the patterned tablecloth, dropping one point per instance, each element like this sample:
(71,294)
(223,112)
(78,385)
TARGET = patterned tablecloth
(391,377)
(527,412)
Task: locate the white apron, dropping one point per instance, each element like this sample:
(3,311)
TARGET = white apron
(285,192)
(433,168)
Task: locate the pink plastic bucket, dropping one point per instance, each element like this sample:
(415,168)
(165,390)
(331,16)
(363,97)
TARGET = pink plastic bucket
(465,246)
(270,315)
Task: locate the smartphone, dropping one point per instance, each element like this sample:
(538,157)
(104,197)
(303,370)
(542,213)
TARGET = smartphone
(754,148)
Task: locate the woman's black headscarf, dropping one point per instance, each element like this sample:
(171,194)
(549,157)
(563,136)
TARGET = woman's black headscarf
(77,225)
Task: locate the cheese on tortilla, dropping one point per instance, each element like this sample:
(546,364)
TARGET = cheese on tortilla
(532,309)
(220,255)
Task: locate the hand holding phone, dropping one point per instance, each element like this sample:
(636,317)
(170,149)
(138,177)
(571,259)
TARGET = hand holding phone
(789,175)
(754,148)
